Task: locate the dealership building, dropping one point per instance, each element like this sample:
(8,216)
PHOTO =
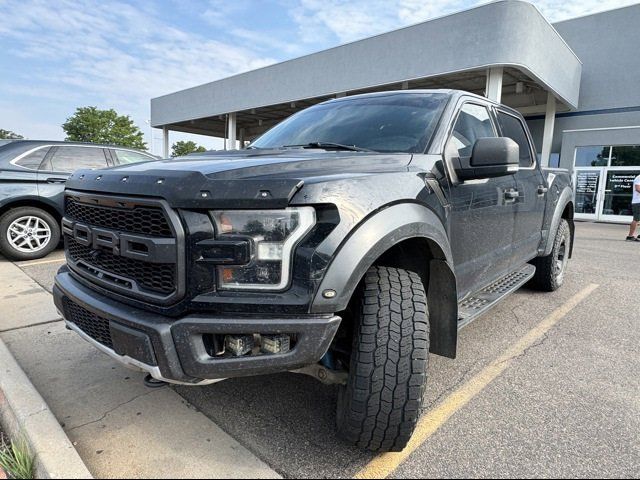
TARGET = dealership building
(577,83)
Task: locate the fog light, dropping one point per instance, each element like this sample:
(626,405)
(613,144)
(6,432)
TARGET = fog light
(280,343)
(239,345)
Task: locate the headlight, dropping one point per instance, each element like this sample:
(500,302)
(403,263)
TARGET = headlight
(273,235)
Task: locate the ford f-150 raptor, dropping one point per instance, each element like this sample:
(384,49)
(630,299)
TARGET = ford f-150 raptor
(348,242)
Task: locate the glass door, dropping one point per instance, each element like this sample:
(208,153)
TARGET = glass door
(618,191)
(588,182)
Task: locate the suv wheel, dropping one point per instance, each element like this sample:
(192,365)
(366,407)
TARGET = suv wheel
(28,233)
(550,270)
(379,407)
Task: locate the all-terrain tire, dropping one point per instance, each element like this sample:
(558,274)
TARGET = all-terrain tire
(550,269)
(43,218)
(380,406)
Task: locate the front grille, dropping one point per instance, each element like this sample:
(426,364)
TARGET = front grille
(141,220)
(156,277)
(132,246)
(93,325)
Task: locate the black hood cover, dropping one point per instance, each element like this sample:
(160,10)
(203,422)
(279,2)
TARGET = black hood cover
(242,179)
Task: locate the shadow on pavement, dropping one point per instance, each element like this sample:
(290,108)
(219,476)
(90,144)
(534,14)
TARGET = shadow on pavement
(288,420)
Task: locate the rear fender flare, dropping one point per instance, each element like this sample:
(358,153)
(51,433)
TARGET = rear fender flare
(564,199)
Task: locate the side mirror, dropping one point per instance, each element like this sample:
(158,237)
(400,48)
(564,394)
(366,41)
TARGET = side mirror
(491,157)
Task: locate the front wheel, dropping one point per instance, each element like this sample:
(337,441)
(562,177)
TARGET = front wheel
(379,407)
(550,270)
(28,233)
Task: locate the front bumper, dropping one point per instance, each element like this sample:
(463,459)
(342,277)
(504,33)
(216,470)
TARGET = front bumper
(173,350)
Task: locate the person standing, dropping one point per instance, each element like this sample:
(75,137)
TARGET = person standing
(635,211)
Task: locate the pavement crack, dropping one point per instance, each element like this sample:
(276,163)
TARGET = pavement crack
(120,405)
(38,412)
(24,327)
(538,343)
(452,388)
(515,315)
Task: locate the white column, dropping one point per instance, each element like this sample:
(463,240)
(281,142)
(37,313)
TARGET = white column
(165,142)
(549,124)
(231,128)
(493,91)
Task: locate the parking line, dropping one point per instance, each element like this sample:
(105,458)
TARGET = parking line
(41,262)
(385,464)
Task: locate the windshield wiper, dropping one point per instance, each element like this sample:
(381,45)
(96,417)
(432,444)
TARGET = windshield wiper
(325,145)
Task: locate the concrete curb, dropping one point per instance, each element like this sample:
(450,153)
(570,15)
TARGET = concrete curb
(24,414)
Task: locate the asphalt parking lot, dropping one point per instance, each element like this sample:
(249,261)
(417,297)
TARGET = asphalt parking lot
(565,405)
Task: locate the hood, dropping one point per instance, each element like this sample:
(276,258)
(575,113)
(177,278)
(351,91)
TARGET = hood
(241,179)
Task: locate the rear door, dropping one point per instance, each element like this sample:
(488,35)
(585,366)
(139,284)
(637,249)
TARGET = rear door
(531,188)
(482,218)
(60,163)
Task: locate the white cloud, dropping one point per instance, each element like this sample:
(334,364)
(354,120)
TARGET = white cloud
(556,10)
(348,20)
(114,54)
(108,53)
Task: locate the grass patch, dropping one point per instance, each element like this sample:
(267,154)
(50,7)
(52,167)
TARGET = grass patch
(16,460)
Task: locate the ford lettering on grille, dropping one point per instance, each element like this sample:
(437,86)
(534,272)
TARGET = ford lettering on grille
(142,261)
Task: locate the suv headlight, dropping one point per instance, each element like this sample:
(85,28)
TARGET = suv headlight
(273,235)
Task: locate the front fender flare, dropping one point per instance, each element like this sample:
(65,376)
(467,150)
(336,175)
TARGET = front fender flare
(372,238)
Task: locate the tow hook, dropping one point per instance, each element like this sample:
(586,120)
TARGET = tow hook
(326,376)
(151,382)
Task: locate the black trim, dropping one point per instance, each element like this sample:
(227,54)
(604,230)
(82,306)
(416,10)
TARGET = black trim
(602,111)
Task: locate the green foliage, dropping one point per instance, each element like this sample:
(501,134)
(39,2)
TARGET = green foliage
(16,460)
(9,135)
(182,148)
(89,124)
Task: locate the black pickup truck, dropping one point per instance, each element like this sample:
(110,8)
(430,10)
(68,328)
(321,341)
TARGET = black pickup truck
(346,243)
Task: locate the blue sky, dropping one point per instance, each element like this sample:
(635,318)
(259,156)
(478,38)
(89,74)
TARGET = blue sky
(57,55)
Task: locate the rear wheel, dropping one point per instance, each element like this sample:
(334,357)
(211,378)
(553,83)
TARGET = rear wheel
(28,233)
(550,270)
(379,407)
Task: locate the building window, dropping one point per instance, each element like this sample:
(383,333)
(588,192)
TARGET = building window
(626,156)
(597,156)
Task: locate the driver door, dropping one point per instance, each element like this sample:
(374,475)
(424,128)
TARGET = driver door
(482,217)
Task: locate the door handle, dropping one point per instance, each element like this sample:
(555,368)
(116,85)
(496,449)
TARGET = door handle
(56,180)
(511,195)
(542,189)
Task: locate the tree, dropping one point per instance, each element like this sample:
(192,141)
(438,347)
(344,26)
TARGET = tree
(89,124)
(182,148)
(9,135)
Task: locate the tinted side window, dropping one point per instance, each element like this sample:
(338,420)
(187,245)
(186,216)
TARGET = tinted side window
(512,128)
(70,159)
(34,159)
(473,123)
(127,156)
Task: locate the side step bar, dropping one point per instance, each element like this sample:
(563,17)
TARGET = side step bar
(480,302)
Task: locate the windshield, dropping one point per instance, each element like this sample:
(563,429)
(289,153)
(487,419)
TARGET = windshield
(390,123)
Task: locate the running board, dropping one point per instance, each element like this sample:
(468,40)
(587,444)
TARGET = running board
(480,302)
